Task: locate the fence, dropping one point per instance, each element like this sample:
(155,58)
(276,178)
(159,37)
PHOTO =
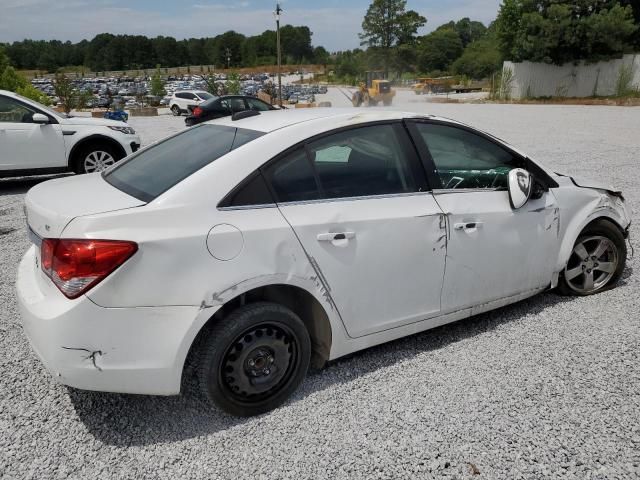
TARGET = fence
(613,77)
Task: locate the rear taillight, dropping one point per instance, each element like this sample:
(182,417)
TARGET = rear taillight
(197,112)
(76,266)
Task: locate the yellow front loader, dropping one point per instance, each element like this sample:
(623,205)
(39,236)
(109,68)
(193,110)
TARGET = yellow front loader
(373,91)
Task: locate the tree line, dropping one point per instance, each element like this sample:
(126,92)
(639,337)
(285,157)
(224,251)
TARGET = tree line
(551,31)
(123,52)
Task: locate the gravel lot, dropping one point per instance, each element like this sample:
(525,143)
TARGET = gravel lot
(549,387)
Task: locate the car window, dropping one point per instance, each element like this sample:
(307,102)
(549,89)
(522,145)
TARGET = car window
(292,178)
(205,95)
(14,112)
(253,191)
(362,162)
(154,170)
(464,159)
(235,104)
(259,105)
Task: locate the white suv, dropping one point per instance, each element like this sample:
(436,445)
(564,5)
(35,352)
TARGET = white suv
(182,100)
(35,139)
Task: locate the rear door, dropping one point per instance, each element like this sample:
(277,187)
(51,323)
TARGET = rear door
(25,145)
(358,202)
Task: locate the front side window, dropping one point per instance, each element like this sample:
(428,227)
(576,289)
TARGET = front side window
(151,172)
(14,112)
(464,159)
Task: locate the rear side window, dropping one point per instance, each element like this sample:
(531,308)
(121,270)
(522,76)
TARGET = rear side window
(362,162)
(155,170)
(292,178)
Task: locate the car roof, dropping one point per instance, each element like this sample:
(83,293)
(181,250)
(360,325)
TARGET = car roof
(277,119)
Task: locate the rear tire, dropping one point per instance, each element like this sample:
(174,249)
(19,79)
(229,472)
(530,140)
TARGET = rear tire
(176,111)
(95,157)
(254,359)
(596,262)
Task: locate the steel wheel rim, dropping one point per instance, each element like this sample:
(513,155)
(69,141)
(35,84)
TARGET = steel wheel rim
(259,363)
(592,264)
(98,161)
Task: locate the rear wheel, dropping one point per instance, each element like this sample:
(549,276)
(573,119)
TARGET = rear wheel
(96,157)
(254,359)
(596,261)
(175,110)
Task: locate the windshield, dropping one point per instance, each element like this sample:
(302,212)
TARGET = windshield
(204,95)
(155,170)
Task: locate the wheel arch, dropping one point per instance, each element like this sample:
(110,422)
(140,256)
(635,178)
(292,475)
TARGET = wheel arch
(96,138)
(299,300)
(575,229)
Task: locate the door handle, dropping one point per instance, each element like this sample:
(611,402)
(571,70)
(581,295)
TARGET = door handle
(331,236)
(467,226)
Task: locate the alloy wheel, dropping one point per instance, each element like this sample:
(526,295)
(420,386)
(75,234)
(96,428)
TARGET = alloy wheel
(98,161)
(593,262)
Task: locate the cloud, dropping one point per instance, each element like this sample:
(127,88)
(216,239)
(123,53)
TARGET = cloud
(335,23)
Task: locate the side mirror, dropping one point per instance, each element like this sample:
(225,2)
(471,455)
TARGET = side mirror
(40,118)
(520,185)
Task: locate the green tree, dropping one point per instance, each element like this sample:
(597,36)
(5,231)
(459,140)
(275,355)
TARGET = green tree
(480,59)
(66,92)
(387,24)
(157,84)
(233,85)
(438,50)
(13,81)
(556,31)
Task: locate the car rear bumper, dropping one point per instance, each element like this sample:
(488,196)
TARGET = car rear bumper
(127,350)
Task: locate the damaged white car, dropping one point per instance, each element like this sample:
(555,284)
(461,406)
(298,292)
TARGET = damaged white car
(254,246)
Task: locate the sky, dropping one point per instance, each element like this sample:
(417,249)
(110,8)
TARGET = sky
(335,23)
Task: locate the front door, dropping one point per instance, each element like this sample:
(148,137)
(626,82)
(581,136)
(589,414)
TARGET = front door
(357,202)
(493,251)
(25,145)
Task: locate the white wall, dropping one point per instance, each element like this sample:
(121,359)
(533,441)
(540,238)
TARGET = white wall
(570,80)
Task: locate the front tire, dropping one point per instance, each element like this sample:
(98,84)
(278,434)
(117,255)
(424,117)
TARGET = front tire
(254,359)
(96,157)
(596,262)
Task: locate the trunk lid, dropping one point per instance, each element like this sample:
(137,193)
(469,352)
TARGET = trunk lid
(51,205)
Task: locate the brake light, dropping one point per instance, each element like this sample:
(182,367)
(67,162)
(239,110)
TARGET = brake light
(75,266)
(197,112)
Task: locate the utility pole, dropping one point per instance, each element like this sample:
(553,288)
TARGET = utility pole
(228,52)
(277,15)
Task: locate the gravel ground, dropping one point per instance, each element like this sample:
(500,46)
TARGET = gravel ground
(549,387)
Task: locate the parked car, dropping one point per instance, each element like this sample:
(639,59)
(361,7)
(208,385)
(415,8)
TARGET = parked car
(35,139)
(255,247)
(217,107)
(182,100)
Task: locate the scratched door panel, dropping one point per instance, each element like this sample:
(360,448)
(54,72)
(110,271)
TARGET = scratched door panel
(509,252)
(389,272)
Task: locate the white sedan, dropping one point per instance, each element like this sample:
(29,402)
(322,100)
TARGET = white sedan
(256,245)
(36,140)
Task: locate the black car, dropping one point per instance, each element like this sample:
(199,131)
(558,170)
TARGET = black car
(224,106)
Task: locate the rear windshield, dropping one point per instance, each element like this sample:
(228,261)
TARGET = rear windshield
(155,170)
